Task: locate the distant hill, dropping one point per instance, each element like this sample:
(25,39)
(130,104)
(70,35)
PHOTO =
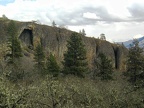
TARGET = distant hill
(129,42)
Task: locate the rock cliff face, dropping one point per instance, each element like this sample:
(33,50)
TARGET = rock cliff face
(55,39)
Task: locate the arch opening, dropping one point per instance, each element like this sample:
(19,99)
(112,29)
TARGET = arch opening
(27,37)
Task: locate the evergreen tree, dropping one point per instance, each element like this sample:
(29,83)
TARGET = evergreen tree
(75,57)
(14,46)
(80,32)
(52,66)
(135,63)
(83,32)
(39,57)
(14,53)
(104,67)
(53,24)
(4,16)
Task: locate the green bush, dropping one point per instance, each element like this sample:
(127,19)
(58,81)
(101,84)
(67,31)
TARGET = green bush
(70,92)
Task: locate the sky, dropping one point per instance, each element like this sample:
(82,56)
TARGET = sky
(119,20)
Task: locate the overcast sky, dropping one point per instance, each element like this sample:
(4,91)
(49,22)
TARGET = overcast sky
(119,20)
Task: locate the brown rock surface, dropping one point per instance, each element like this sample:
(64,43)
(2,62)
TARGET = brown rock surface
(55,39)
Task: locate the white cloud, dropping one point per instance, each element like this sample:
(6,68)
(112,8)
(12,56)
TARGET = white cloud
(115,18)
(90,15)
(138,36)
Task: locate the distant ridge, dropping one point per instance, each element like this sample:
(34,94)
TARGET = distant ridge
(129,42)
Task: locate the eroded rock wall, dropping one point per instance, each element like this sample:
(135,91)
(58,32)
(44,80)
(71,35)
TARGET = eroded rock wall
(55,39)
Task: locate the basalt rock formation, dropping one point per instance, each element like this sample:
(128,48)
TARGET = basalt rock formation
(54,40)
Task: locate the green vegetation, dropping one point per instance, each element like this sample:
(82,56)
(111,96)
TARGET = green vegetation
(52,66)
(75,57)
(70,92)
(82,32)
(45,86)
(135,65)
(104,67)
(14,46)
(39,57)
(11,96)
(14,53)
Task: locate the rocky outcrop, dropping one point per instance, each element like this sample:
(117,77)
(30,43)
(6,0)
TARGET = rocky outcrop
(55,39)
(120,56)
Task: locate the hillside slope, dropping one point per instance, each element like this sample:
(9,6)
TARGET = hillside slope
(129,42)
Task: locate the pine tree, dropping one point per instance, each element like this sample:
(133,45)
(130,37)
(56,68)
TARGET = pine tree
(14,46)
(39,57)
(53,24)
(75,57)
(104,67)
(135,63)
(80,32)
(83,32)
(52,66)
(14,53)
